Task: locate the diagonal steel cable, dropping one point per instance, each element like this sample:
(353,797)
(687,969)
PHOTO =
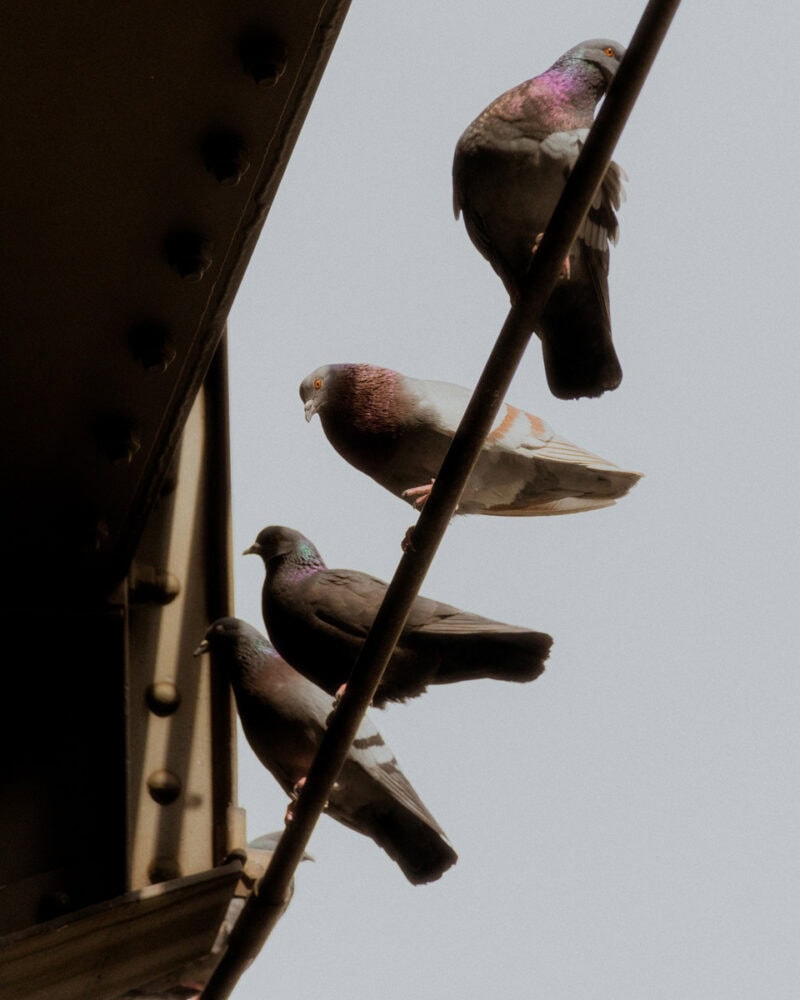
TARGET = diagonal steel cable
(268,901)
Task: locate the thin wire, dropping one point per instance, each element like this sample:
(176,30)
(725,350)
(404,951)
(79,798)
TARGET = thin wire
(266,904)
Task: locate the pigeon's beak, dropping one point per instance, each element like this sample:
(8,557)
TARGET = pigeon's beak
(310,409)
(254,550)
(202,648)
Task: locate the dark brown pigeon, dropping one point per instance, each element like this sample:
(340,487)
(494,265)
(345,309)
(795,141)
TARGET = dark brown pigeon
(509,170)
(397,430)
(318,619)
(283,716)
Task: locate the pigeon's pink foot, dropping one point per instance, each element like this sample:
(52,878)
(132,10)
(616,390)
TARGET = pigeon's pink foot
(421,494)
(336,702)
(297,788)
(566,270)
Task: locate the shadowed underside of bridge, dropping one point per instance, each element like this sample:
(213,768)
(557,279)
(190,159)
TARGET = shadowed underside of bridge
(143,146)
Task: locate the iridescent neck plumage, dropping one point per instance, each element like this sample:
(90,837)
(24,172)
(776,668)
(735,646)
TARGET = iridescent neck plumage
(570,93)
(304,560)
(368,394)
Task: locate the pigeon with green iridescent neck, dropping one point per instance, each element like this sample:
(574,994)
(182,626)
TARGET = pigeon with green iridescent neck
(318,619)
(283,717)
(397,429)
(509,169)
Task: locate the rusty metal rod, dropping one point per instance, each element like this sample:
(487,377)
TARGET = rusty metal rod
(265,905)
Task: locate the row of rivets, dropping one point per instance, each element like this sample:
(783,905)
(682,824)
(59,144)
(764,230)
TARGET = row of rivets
(164,786)
(189,253)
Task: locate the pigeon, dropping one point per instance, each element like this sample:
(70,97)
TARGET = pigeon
(397,430)
(318,619)
(283,716)
(509,169)
(267,841)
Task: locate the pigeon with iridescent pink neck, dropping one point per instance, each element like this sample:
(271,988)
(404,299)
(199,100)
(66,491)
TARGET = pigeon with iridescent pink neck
(509,170)
(397,429)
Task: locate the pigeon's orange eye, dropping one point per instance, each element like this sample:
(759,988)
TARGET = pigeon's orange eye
(317,383)
(609,51)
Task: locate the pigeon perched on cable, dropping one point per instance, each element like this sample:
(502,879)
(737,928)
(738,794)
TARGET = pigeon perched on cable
(397,430)
(318,619)
(509,169)
(283,718)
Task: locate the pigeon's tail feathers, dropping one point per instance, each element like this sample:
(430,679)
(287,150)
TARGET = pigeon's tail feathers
(565,505)
(417,846)
(566,479)
(575,329)
(559,449)
(570,374)
(421,851)
(516,656)
(579,356)
(373,796)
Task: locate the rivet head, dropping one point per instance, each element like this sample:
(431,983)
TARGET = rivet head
(263,55)
(164,786)
(118,439)
(148,585)
(188,253)
(163,698)
(152,346)
(163,870)
(225,156)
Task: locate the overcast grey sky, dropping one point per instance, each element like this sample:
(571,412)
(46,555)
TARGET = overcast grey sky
(628,824)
